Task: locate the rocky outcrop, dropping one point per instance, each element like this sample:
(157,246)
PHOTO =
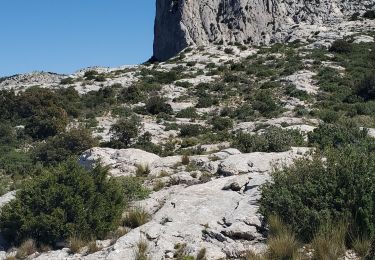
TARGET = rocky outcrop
(180,23)
(30,79)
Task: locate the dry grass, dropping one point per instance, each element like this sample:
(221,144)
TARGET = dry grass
(158,185)
(115,235)
(142,170)
(201,254)
(185,160)
(361,246)
(136,217)
(93,247)
(75,244)
(26,248)
(282,243)
(284,247)
(250,255)
(329,242)
(142,250)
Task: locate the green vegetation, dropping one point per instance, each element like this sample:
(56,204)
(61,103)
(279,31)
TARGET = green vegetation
(274,139)
(62,201)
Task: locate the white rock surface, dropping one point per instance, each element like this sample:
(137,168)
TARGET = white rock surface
(180,23)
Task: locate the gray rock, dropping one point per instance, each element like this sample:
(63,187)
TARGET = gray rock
(180,23)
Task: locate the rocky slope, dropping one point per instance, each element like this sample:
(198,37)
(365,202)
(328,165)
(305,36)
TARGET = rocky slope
(180,23)
(211,201)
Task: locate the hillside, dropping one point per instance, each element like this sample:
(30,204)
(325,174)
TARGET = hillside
(205,148)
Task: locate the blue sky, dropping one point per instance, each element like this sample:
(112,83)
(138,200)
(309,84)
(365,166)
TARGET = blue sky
(65,35)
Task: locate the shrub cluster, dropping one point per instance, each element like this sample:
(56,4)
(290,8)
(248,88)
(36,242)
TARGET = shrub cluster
(274,139)
(61,202)
(336,185)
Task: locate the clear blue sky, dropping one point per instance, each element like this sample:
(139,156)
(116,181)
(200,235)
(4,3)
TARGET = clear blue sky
(65,35)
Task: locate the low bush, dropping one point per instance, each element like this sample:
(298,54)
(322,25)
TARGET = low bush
(221,123)
(156,105)
(274,139)
(190,130)
(369,14)
(132,94)
(366,88)
(338,135)
(61,202)
(60,147)
(190,112)
(340,46)
(335,185)
(133,188)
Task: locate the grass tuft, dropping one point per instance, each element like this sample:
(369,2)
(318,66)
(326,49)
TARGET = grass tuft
(136,217)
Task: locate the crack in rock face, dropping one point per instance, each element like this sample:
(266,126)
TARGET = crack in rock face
(180,23)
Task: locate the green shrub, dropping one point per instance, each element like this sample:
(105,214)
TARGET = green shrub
(369,14)
(274,139)
(266,104)
(340,46)
(132,94)
(189,130)
(47,122)
(366,88)
(337,135)
(156,105)
(61,202)
(221,123)
(125,131)
(67,81)
(336,185)
(189,112)
(60,147)
(133,188)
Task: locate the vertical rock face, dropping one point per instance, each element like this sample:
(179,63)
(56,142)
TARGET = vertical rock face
(180,23)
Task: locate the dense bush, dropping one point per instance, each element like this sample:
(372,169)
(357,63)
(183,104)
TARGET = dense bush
(62,202)
(370,14)
(125,131)
(189,112)
(60,147)
(156,105)
(337,135)
(340,46)
(190,130)
(221,123)
(274,139)
(132,94)
(266,104)
(47,122)
(366,88)
(337,185)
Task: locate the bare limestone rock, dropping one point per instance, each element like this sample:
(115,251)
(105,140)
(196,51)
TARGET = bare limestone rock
(180,23)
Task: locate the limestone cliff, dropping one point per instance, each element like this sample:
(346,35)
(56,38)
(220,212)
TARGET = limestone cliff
(180,23)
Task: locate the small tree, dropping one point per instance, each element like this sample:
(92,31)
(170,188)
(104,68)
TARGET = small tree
(125,131)
(64,201)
